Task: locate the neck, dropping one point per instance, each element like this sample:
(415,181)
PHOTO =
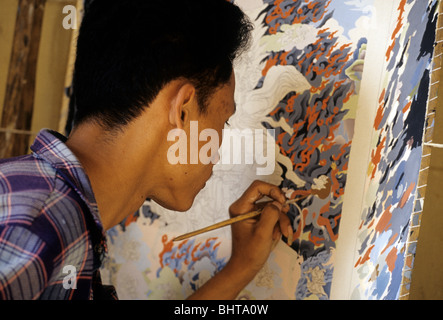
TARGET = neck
(113,166)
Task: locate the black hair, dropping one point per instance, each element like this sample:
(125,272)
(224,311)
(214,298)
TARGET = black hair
(128,50)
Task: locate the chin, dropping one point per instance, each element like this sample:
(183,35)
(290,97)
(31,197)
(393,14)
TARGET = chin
(179,198)
(178,204)
(183,208)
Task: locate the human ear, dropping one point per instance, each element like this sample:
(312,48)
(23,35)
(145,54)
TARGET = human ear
(179,111)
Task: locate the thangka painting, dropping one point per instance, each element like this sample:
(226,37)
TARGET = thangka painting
(301,80)
(396,151)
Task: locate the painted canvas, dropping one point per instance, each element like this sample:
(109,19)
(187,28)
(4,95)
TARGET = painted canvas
(396,151)
(310,57)
(301,79)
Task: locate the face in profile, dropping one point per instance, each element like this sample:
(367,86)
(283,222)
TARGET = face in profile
(188,177)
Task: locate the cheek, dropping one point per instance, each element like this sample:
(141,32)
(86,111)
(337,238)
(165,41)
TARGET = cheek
(209,146)
(194,175)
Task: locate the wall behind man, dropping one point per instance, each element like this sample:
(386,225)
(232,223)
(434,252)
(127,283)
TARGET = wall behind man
(427,276)
(7,22)
(54,64)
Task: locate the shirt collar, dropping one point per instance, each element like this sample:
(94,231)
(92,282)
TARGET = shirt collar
(50,146)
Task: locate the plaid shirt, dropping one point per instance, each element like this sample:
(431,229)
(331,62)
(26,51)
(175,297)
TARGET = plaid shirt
(51,237)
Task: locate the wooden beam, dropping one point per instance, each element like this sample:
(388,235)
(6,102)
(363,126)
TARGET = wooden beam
(20,86)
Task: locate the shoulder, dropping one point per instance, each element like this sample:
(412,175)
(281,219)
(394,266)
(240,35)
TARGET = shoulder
(25,173)
(26,183)
(33,196)
(42,227)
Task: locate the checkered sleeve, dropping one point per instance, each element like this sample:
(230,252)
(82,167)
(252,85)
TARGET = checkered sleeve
(23,272)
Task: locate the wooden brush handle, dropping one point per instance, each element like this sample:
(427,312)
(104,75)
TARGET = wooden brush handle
(228,222)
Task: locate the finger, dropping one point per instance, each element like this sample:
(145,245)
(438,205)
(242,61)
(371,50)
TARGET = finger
(285,225)
(256,191)
(290,235)
(286,208)
(277,233)
(269,219)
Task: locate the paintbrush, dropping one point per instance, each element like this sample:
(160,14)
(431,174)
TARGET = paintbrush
(233,220)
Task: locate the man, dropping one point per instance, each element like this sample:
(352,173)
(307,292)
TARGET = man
(143,68)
